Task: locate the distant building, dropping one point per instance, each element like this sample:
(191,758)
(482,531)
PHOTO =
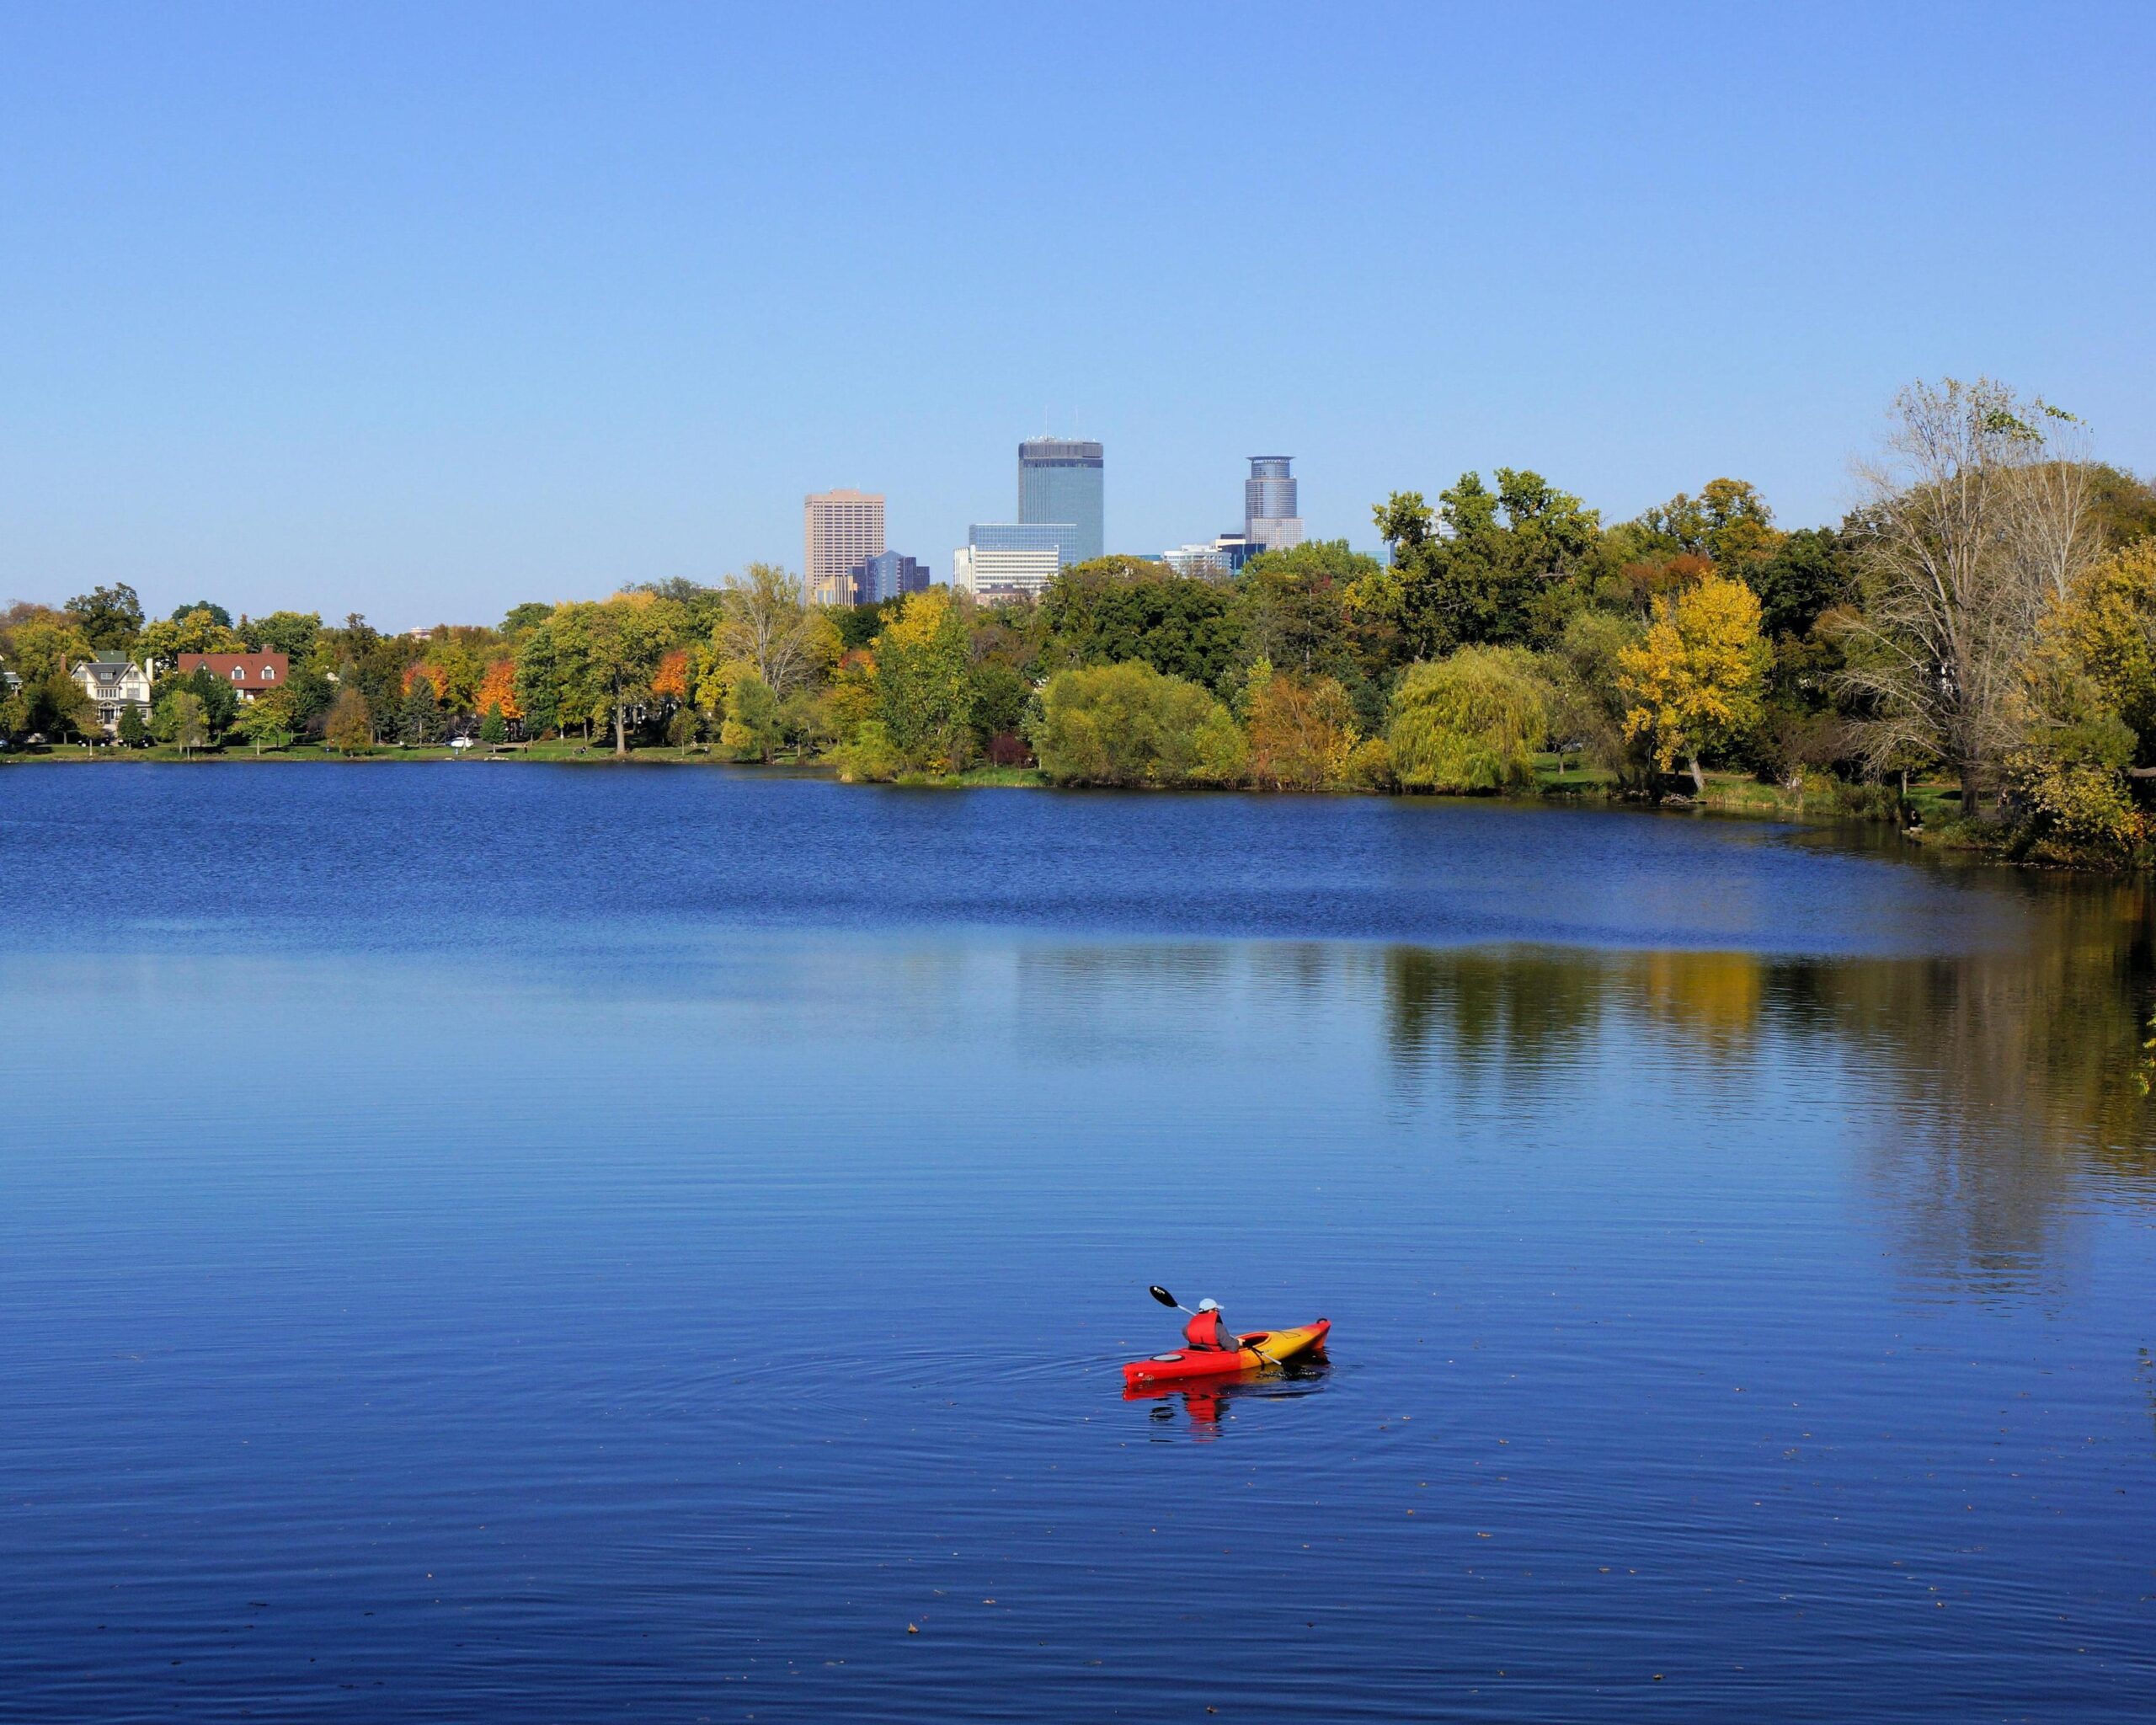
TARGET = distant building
(1214,559)
(250,674)
(1270,520)
(1004,560)
(1201,560)
(840,529)
(116,683)
(887,575)
(1060,480)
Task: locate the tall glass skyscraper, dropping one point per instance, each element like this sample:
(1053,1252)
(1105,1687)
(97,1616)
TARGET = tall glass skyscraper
(1269,515)
(1060,481)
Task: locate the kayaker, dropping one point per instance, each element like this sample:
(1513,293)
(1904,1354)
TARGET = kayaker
(1207,1332)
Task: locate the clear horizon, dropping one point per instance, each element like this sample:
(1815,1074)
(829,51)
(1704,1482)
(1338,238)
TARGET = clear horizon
(424,314)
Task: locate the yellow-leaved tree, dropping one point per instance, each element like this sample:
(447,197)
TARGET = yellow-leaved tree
(1693,685)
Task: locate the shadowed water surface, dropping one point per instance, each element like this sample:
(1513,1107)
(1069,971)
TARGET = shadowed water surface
(555,1244)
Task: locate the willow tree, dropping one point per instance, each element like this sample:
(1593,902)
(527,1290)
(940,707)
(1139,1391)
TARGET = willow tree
(1978,519)
(1471,721)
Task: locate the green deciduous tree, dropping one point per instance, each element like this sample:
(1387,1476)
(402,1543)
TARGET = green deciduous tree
(111,617)
(1490,568)
(1805,574)
(265,722)
(178,720)
(1119,609)
(219,704)
(291,633)
(1588,704)
(202,628)
(753,728)
(924,686)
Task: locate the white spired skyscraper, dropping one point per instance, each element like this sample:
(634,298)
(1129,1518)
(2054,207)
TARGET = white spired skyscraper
(1269,518)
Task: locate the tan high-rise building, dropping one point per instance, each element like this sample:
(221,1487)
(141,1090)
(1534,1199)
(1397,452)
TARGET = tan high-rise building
(840,529)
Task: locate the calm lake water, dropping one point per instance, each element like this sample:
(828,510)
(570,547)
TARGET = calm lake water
(552,1244)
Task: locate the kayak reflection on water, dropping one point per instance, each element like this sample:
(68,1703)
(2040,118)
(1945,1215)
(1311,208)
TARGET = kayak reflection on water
(1207,1402)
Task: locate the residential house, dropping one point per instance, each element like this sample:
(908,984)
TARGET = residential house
(116,683)
(250,674)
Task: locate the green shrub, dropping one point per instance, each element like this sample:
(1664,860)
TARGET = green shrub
(870,757)
(1128,725)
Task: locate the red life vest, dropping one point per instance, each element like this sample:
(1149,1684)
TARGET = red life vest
(1204,1332)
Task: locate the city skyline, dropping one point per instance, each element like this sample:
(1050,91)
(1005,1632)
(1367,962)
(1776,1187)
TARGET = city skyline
(358,305)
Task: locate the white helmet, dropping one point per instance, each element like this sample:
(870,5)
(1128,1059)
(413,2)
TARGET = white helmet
(1208,1306)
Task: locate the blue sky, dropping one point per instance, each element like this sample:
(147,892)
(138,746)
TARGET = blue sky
(424,310)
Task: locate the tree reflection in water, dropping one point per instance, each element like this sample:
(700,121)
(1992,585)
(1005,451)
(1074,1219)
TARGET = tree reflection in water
(2011,1078)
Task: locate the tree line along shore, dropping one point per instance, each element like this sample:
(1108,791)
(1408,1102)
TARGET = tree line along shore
(1971,652)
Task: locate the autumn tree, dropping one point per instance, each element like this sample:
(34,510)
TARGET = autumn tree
(42,643)
(350,727)
(497,690)
(1693,684)
(2087,715)
(1302,730)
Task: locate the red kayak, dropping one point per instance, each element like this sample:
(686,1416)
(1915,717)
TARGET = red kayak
(1260,1348)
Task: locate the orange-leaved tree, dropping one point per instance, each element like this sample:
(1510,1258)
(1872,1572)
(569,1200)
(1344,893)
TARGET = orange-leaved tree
(1302,730)
(498,688)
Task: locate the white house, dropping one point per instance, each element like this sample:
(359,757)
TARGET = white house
(114,683)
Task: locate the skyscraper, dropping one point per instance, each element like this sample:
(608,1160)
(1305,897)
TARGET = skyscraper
(1269,517)
(1060,481)
(887,575)
(840,529)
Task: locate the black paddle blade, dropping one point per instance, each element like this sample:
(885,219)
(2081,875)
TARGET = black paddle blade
(1162,1296)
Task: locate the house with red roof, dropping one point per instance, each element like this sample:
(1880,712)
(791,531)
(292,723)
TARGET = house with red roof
(250,674)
